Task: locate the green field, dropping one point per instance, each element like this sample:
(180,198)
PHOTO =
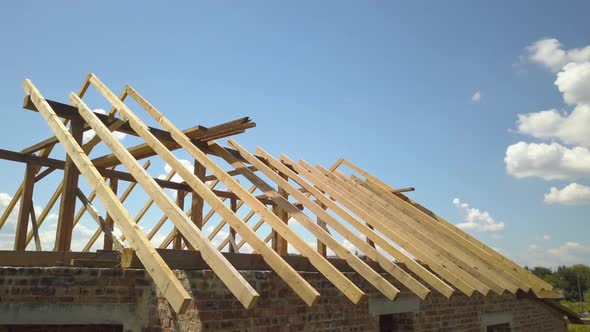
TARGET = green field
(575,306)
(578,328)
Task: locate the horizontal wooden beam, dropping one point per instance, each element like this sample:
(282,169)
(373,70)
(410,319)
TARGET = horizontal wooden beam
(197,133)
(60,164)
(176,259)
(403,190)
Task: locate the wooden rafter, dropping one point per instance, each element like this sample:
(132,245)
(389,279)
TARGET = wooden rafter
(235,282)
(356,263)
(163,277)
(341,282)
(460,235)
(372,216)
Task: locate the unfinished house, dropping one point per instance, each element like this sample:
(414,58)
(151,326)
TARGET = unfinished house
(239,241)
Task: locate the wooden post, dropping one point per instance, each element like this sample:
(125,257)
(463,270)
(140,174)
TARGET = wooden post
(26,203)
(320,245)
(67,206)
(232,232)
(197,201)
(177,236)
(110,224)
(279,244)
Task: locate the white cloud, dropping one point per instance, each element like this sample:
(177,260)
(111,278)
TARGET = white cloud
(568,253)
(474,219)
(572,194)
(89,134)
(574,83)
(476,96)
(569,128)
(546,237)
(47,232)
(554,161)
(549,52)
(548,161)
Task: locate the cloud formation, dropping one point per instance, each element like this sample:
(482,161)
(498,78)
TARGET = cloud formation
(476,96)
(567,253)
(548,161)
(569,128)
(550,53)
(474,219)
(572,194)
(566,156)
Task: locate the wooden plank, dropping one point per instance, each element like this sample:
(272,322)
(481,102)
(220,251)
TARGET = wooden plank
(484,273)
(143,150)
(67,207)
(402,190)
(442,256)
(161,274)
(177,260)
(109,222)
(198,133)
(46,143)
(111,173)
(481,259)
(510,266)
(294,280)
(229,276)
(413,266)
(350,290)
(406,279)
(358,265)
(408,243)
(26,205)
(197,202)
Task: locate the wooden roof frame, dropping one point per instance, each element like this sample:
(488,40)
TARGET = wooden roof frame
(374,217)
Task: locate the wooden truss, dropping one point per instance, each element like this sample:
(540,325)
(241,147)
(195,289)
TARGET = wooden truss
(376,230)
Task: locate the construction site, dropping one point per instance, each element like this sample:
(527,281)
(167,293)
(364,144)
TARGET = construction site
(377,260)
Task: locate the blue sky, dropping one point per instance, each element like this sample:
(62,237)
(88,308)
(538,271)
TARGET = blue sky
(387,85)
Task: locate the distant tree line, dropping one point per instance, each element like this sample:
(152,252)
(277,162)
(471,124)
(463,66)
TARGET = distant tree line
(572,280)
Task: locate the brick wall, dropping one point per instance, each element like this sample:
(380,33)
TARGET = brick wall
(127,297)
